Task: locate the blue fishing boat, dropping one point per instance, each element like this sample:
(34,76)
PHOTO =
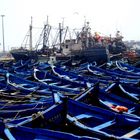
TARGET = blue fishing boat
(127,68)
(113,103)
(92,121)
(42,124)
(102,123)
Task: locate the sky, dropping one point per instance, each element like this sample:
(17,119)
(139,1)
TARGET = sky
(105,16)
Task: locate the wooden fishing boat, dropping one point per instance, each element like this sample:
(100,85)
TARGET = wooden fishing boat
(4,96)
(68,75)
(113,97)
(19,109)
(20,112)
(92,121)
(9,106)
(127,68)
(102,123)
(49,124)
(43,88)
(58,83)
(42,75)
(90,77)
(115,104)
(115,73)
(131,90)
(27,86)
(21,84)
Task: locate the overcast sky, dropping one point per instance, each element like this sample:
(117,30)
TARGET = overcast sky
(105,16)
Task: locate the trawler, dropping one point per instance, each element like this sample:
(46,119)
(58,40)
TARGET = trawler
(85,46)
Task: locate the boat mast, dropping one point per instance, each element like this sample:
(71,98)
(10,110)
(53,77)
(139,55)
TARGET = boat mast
(2,16)
(86,29)
(60,36)
(44,36)
(31,34)
(47,29)
(87,34)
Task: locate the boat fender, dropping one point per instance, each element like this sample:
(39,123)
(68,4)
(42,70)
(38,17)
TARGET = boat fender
(120,108)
